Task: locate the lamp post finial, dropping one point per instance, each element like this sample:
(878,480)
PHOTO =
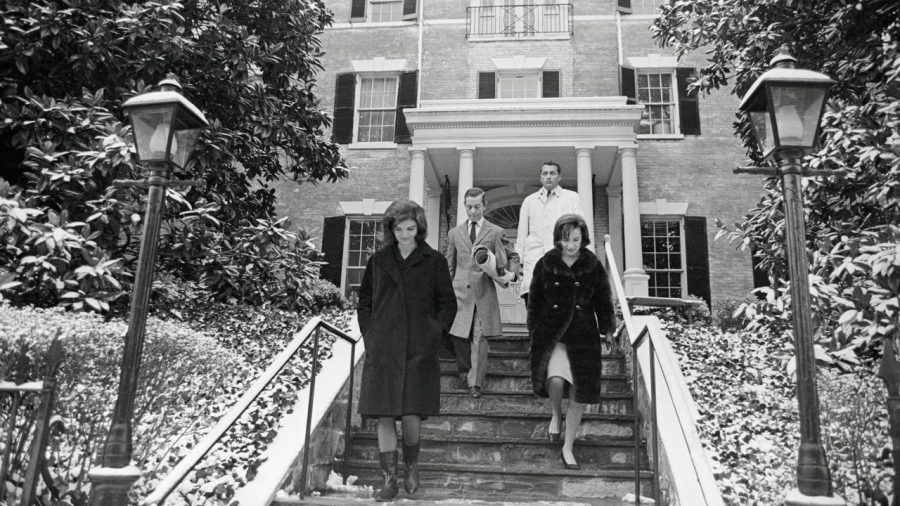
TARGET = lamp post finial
(783,58)
(170,83)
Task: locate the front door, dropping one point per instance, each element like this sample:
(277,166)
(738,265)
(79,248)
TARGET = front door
(512,307)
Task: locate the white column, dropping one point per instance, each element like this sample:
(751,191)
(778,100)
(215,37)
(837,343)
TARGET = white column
(417,175)
(466,181)
(433,215)
(634,279)
(586,190)
(614,199)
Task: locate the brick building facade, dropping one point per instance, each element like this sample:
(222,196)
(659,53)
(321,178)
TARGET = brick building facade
(431,97)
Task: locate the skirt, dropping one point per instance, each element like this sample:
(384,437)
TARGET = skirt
(559,364)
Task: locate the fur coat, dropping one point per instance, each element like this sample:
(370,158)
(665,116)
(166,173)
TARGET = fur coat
(572,305)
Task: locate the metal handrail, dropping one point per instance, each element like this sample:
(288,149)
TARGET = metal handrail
(312,328)
(519,20)
(642,333)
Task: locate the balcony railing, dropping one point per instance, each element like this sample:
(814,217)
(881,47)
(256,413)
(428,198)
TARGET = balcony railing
(519,21)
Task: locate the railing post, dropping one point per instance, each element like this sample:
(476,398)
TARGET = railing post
(637,425)
(13,415)
(347,440)
(39,444)
(309,411)
(889,372)
(655,426)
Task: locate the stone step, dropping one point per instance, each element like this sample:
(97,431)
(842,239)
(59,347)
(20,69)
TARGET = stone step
(507,451)
(510,342)
(611,403)
(547,482)
(438,498)
(513,361)
(521,381)
(518,424)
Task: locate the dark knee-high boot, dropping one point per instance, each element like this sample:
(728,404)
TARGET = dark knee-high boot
(389,470)
(411,466)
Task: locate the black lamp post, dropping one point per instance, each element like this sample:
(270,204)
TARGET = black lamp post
(165,126)
(785,106)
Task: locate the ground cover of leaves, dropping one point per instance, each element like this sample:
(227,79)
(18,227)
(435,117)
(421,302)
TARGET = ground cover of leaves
(749,422)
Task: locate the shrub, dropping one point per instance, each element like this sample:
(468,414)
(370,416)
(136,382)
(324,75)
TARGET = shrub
(749,424)
(68,235)
(180,368)
(729,314)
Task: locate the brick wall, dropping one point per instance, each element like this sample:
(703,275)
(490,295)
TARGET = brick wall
(696,169)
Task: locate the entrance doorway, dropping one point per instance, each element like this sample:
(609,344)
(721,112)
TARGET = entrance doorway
(503,206)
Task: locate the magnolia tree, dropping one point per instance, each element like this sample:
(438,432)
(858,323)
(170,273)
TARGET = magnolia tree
(852,216)
(67,235)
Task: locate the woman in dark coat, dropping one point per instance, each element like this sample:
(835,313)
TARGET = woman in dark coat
(406,302)
(569,307)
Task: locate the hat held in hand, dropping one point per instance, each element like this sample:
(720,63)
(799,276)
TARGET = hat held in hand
(487,262)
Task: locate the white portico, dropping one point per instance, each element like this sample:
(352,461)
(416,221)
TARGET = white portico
(500,145)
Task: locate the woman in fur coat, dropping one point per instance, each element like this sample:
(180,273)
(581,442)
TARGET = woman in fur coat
(569,308)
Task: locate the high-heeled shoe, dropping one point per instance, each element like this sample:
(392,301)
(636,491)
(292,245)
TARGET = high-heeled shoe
(572,467)
(554,436)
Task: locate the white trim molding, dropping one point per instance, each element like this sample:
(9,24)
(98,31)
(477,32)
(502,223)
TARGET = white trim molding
(662,207)
(379,64)
(651,61)
(519,62)
(364,207)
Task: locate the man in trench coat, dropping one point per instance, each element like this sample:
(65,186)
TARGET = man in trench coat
(478,310)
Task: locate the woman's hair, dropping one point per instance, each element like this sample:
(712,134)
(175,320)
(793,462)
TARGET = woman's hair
(402,210)
(565,225)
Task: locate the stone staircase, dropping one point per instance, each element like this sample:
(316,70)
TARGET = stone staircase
(495,448)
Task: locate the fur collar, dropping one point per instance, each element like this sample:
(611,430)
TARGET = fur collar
(586,262)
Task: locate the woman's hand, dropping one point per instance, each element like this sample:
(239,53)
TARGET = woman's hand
(610,342)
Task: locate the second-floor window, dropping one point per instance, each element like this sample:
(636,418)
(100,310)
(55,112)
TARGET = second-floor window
(381,11)
(655,92)
(519,84)
(377,109)
(525,85)
(368,108)
(670,109)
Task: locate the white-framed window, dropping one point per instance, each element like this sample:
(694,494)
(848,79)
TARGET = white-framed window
(518,84)
(376,112)
(383,11)
(363,239)
(663,248)
(655,89)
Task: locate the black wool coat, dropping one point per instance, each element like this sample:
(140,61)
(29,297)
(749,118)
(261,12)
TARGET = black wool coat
(404,308)
(572,305)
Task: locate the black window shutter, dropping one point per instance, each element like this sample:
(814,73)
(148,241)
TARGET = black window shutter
(344,96)
(629,85)
(358,9)
(409,9)
(333,248)
(550,87)
(688,106)
(406,99)
(487,85)
(760,276)
(697,261)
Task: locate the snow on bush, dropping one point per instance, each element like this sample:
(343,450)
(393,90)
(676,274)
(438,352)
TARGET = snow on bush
(749,418)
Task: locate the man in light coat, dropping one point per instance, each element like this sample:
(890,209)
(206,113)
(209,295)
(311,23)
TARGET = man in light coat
(478,310)
(537,216)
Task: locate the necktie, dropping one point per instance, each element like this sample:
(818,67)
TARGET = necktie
(472,233)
